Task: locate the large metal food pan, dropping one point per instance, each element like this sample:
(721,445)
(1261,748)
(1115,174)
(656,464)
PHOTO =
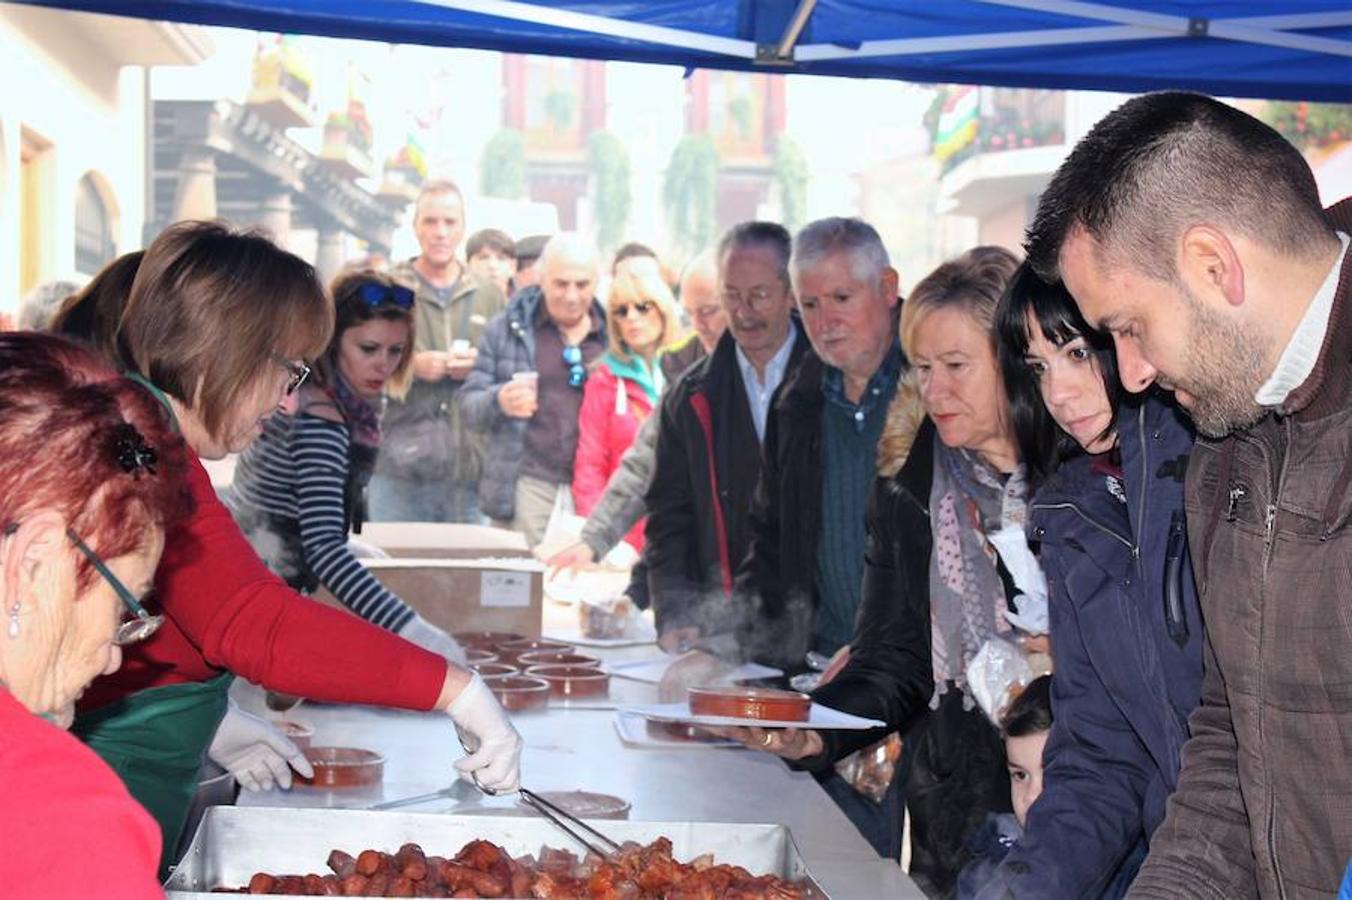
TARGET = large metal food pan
(232,843)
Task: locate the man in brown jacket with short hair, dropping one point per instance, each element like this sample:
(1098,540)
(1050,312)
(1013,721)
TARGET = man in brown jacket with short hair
(1194,234)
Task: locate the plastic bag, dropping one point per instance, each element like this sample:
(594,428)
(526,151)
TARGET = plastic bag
(870,771)
(998,671)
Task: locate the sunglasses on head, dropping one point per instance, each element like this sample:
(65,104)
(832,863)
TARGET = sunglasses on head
(577,373)
(642,307)
(374,294)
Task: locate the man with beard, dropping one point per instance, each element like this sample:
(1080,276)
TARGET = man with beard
(1194,234)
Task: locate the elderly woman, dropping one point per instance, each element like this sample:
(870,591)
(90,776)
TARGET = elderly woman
(935,590)
(91,475)
(300,488)
(216,327)
(625,387)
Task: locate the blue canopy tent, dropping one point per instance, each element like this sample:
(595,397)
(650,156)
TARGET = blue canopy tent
(1279,49)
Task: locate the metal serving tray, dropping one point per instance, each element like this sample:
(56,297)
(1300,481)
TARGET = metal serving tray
(232,843)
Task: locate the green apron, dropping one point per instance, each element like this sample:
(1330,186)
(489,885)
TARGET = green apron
(155,740)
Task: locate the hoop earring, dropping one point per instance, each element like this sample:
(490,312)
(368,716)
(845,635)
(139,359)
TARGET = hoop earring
(14,621)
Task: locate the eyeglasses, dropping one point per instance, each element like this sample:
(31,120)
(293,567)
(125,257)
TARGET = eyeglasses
(374,294)
(577,373)
(142,624)
(296,372)
(642,307)
(758,298)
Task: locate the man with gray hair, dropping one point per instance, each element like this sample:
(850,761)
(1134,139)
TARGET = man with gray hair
(526,388)
(798,588)
(40,305)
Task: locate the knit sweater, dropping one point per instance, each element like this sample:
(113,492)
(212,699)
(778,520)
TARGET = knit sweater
(848,471)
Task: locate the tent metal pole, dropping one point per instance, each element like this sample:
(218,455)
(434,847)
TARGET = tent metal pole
(1228,29)
(795,28)
(586,22)
(994,41)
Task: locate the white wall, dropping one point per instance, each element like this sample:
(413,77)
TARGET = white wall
(69,93)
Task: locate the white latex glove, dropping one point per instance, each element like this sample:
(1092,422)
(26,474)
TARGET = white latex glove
(492,745)
(257,754)
(429,637)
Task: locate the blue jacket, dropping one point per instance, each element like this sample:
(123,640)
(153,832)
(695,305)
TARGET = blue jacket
(1127,651)
(507,347)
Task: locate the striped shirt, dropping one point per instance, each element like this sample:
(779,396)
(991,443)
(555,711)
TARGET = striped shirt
(293,479)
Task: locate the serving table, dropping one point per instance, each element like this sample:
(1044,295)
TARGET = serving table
(576,747)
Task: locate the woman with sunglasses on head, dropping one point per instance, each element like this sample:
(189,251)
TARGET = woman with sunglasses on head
(300,488)
(216,327)
(1125,624)
(624,388)
(91,476)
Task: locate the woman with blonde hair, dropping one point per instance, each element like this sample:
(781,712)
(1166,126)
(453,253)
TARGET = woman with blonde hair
(625,387)
(301,488)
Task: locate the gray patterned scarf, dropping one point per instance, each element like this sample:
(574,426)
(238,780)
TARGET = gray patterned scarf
(968,500)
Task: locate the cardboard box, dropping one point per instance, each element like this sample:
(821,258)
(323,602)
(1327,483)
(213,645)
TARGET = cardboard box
(436,540)
(486,594)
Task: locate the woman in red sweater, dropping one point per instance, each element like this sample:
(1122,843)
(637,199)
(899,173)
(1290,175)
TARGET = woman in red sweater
(216,327)
(90,477)
(624,389)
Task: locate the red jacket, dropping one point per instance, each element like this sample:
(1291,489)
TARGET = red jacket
(607,425)
(225,610)
(69,827)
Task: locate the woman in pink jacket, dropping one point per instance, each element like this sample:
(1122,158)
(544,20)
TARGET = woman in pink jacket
(625,386)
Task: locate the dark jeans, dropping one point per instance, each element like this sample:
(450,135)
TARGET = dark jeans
(879,823)
(410,500)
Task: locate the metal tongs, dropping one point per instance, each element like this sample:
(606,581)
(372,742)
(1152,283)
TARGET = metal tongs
(561,817)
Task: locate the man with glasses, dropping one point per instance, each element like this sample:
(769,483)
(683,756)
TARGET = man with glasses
(428,469)
(799,585)
(526,388)
(709,433)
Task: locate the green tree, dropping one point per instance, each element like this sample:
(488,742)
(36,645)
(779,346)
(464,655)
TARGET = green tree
(690,192)
(791,178)
(609,162)
(502,170)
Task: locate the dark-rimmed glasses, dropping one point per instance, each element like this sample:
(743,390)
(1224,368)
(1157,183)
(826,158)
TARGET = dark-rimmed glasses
(142,624)
(374,294)
(642,307)
(758,298)
(577,373)
(296,372)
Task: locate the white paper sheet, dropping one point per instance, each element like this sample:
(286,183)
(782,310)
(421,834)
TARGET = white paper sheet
(633,730)
(651,671)
(822,717)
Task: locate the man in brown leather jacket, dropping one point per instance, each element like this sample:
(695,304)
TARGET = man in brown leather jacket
(1194,234)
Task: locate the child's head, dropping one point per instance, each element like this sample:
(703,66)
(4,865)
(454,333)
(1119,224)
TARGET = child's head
(1025,725)
(491,255)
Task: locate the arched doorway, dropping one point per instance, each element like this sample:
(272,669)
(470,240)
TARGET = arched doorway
(95,224)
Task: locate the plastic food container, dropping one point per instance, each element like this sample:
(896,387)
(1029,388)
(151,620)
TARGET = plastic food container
(494,670)
(478,656)
(510,650)
(750,703)
(571,682)
(518,693)
(301,734)
(343,767)
(486,640)
(558,658)
(584,804)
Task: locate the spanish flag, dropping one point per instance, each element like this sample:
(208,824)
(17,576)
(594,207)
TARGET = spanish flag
(957,121)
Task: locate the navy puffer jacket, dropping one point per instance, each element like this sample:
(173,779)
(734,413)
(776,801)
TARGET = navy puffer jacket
(1127,647)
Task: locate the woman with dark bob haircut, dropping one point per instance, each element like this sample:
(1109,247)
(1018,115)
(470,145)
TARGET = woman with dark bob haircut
(301,488)
(217,327)
(1125,625)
